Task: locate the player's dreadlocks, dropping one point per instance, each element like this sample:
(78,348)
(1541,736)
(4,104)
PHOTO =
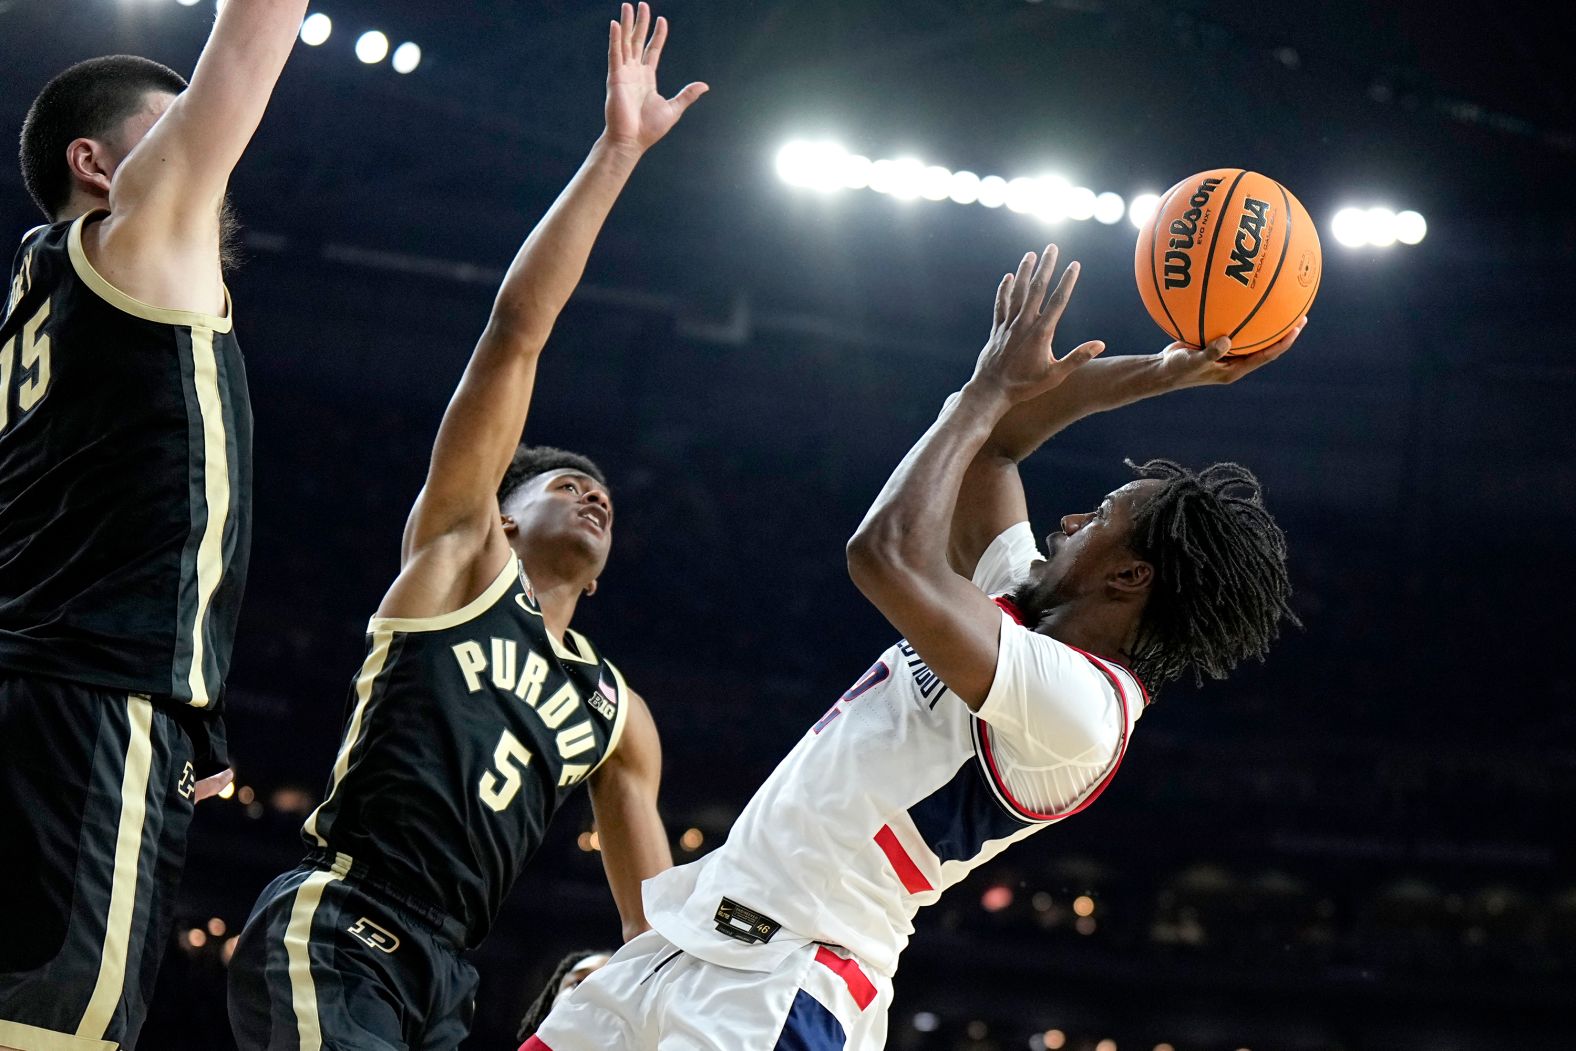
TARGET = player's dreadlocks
(1220,585)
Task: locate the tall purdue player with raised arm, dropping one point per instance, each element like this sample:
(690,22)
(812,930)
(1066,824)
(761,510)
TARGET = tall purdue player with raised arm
(125,519)
(990,721)
(478,709)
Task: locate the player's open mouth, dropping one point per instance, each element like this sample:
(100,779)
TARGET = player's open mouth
(596,518)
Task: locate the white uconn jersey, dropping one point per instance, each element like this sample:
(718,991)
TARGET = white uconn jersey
(900,791)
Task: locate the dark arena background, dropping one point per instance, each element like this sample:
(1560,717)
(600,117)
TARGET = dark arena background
(1365,844)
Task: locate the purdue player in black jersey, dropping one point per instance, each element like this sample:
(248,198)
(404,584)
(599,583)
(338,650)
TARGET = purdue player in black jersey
(478,709)
(125,478)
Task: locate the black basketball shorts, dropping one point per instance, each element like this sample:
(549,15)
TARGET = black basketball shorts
(96,793)
(329,962)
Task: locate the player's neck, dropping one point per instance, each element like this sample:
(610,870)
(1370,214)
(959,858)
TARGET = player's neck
(1105,630)
(78,206)
(557,601)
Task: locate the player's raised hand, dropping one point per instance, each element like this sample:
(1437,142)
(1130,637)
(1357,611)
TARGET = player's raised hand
(1185,365)
(637,114)
(1018,358)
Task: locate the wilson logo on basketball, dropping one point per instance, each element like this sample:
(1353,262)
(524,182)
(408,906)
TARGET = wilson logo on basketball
(1250,240)
(1184,235)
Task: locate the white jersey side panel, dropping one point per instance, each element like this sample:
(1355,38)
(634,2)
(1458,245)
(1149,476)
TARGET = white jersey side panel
(899,791)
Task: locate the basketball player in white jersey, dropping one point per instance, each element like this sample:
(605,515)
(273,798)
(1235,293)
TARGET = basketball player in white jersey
(1007,706)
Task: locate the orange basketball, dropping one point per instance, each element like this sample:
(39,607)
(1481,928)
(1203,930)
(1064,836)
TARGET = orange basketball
(1231,253)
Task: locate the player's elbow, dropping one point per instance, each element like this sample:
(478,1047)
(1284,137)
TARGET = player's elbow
(876,555)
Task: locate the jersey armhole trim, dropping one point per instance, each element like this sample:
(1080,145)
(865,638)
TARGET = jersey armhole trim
(619,719)
(998,784)
(472,609)
(126,304)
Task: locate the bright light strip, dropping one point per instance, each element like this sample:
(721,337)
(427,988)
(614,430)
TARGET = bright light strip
(1377,227)
(372,47)
(315,29)
(827,168)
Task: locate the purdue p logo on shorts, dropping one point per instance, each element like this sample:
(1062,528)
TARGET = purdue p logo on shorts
(379,938)
(188,782)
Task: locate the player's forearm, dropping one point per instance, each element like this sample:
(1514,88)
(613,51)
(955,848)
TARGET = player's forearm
(1099,386)
(910,524)
(233,81)
(634,848)
(550,263)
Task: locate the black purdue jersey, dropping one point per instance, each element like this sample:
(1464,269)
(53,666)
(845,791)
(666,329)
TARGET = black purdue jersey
(125,481)
(465,734)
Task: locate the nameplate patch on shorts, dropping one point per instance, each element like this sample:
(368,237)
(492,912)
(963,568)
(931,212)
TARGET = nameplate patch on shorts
(745,925)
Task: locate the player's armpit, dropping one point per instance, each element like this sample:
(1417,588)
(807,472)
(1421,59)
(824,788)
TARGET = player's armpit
(624,792)
(445,574)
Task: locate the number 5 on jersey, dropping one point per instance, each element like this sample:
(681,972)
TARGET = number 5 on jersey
(506,755)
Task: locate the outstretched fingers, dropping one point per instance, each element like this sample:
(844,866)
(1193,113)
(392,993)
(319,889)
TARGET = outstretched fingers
(1003,302)
(637,39)
(1052,314)
(1020,286)
(1042,279)
(653,53)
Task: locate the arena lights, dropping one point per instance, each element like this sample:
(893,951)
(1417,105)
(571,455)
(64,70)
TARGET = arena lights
(406,58)
(826,167)
(316,29)
(372,47)
(1377,227)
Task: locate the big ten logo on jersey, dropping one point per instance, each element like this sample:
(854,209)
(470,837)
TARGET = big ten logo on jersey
(24,357)
(878,674)
(498,665)
(374,934)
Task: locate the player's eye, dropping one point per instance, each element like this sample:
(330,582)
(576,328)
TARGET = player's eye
(572,487)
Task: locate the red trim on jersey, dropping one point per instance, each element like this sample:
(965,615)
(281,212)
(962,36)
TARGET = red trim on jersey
(1016,614)
(908,873)
(534,1044)
(862,988)
(1121,750)
(1142,689)
(1008,608)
